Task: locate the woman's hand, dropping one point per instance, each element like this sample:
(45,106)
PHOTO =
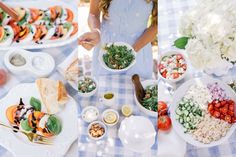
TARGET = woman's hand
(89,39)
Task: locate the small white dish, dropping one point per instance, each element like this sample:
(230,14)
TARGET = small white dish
(108,101)
(38,64)
(90,93)
(140,106)
(109,111)
(102,52)
(90,114)
(179,78)
(137,133)
(102,125)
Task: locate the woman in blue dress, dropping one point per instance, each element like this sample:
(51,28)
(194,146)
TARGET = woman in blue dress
(122,21)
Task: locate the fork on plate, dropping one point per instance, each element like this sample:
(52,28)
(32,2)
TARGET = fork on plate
(32,137)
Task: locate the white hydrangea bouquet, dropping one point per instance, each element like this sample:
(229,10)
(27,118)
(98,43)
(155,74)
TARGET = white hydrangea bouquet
(209,35)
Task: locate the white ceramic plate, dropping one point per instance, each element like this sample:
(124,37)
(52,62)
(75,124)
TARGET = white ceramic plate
(179,94)
(141,108)
(40,5)
(17,143)
(102,52)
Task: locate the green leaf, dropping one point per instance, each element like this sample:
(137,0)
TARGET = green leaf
(181,42)
(25,125)
(35,103)
(54,125)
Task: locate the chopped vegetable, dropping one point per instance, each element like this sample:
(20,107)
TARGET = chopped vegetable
(118,57)
(222,109)
(188,114)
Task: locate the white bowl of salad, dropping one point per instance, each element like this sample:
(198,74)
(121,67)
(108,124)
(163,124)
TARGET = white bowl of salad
(117,57)
(172,66)
(87,86)
(149,102)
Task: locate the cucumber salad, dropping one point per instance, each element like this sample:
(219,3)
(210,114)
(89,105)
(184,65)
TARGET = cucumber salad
(206,112)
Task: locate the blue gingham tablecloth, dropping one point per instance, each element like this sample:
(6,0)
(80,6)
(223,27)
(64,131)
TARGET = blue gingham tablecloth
(59,54)
(111,146)
(170,12)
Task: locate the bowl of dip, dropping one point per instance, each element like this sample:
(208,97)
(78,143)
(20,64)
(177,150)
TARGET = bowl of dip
(37,64)
(90,114)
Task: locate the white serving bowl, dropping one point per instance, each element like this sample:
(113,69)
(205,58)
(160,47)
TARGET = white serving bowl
(102,52)
(85,110)
(90,93)
(110,110)
(100,123)
(179,78)
(140,106)
(137,133)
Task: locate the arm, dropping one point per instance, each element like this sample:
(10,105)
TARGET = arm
(90,39)
(148,36)
(94,15)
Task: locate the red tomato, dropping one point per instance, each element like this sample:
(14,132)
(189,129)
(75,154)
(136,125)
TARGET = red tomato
(231,107)
(175,75)
(217,105)
(210,107)
(222,117)
(3,77)
(164,123)
(162,108)
(223,102)
(228,119)
(164,73)
(216,114)
(233,119)
(231,113)
(224,110)
(184,66)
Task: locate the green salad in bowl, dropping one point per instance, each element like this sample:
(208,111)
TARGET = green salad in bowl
(117,56)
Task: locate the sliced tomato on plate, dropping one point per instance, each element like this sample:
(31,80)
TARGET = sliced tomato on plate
(75,29)
(11,113)
(70,15)
(34,14)
(2,32)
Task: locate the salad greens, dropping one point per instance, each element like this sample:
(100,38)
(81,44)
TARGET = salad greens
(25,125)
(54,125)
(35,103)
(86,85)
(118,57)
(150,99)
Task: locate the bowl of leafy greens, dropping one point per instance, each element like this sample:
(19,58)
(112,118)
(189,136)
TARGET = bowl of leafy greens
(117,57)
(149,102)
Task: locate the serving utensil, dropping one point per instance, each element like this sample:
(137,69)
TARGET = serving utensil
(139,90)
(32,137)
(9,11)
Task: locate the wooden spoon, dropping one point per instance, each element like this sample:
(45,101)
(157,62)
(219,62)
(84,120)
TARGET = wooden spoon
(139,90)
(9,11)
